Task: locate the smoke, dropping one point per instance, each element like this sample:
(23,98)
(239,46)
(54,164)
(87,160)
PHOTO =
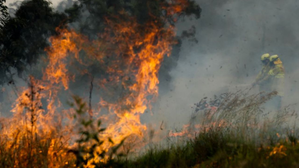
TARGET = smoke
(81,86)
(232,35)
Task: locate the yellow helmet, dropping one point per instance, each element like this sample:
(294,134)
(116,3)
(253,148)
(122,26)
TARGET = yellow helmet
(265,57)
(275,59)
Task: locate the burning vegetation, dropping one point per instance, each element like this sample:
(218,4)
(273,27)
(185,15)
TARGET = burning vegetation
(114,50)
(42,131)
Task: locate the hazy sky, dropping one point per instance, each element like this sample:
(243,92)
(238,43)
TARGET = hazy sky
(232,36)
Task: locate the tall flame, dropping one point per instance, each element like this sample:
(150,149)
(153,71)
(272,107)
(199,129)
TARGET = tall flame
(130,54)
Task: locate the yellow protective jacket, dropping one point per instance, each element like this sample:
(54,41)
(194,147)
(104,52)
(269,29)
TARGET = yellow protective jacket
(277,74)
(263,79)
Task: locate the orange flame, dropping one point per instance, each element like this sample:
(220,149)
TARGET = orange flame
(130,53)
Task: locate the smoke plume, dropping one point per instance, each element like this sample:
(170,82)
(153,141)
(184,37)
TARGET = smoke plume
(232,35)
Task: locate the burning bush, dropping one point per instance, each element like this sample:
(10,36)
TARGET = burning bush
(128,53)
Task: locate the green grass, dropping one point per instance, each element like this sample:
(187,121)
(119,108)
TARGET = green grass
(248,137)
(216,148)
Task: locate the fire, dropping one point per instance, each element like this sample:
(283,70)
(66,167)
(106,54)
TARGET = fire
(191,130)
(131,55)
(177,7)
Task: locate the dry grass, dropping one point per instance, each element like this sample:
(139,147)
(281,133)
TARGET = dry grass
(25,150)
(240,134)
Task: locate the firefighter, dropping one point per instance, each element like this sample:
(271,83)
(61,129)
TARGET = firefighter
(276,74)
(262,79)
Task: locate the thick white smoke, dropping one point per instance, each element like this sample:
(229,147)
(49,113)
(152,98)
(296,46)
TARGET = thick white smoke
(232,35)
